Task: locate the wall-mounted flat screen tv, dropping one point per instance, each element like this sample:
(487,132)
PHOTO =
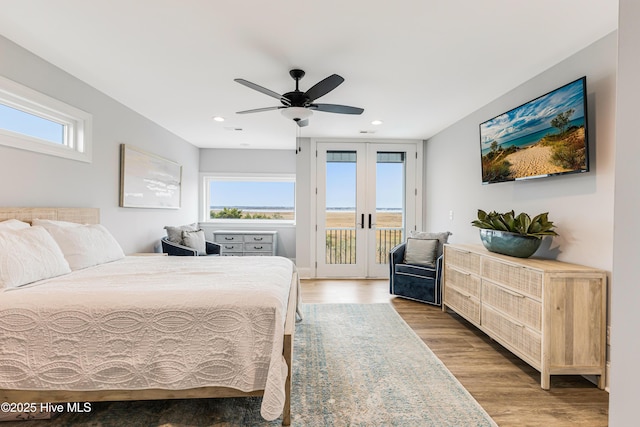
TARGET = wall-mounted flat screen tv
(544,137)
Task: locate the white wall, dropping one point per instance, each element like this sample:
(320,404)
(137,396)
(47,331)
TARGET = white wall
(625,317)
(247,161)
(580,205)
(33,179)
(251,162)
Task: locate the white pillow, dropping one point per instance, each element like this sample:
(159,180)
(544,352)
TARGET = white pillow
(195,240)
(174,233)
(13,224)
(28,255)
(442,237)
(421,252)
(83,245)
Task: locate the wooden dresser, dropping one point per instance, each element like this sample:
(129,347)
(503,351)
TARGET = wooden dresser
(549,313)
(246,243)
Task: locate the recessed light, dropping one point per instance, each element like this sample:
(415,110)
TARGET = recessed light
(376,122)
(218,119)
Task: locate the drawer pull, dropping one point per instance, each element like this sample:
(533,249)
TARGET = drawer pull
(257,247)
(229,238)
(461,272)
(463,294)
(258,239)
(515,294)
(228,247)
(519,325)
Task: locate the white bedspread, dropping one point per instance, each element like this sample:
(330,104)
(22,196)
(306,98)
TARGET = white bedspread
(151,322)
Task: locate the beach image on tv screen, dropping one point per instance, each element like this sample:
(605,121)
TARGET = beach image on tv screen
(542,137)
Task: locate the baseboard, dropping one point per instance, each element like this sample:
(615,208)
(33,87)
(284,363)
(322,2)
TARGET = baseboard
(304,273)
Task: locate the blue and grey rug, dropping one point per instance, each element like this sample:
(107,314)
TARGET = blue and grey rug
(354,365)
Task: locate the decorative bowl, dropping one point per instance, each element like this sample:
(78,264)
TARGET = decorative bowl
(507,243)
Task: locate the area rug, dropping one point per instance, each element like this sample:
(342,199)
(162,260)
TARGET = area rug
(354,365)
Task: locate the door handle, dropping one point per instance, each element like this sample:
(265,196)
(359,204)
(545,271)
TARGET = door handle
(369,220)
(362,221)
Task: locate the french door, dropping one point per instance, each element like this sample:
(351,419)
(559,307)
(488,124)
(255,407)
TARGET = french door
(366,200)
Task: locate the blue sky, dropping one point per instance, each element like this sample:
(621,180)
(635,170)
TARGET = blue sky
(28,124)
(534,116)
(265,194)
(390,185)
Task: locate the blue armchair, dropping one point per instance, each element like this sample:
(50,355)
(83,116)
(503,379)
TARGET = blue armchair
(171,248)
(416,280)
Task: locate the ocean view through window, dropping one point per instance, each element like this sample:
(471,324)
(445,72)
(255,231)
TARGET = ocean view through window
(264,198)
(341,219)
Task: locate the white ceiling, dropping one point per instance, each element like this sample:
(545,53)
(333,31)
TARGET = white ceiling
(417,65)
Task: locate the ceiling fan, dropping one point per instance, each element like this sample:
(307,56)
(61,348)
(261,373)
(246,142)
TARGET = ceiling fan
(298,105)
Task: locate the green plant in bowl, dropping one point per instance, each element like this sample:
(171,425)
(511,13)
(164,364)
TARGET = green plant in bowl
(511,234)
(522,223)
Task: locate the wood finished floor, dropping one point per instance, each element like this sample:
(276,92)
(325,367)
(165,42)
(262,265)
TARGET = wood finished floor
(507,388)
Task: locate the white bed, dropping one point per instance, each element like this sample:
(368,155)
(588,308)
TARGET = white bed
(152,328)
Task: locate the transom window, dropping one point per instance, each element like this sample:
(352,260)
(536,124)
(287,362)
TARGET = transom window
(32,121)
(268,198)
(24,123)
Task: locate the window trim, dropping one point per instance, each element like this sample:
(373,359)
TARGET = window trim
(77,144)
(270,177)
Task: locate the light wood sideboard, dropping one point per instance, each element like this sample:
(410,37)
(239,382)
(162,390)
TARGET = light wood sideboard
(246,242)
(551,314)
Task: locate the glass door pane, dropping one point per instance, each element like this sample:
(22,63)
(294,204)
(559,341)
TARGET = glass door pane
(390,203)
(340,207)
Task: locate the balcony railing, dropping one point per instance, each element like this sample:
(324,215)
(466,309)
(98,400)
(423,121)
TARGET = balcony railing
(386,239)
(341,244)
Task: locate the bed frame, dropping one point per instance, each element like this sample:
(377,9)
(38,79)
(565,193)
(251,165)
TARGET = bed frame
(92,216)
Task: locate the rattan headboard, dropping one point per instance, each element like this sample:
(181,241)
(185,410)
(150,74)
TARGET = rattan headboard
(79,215)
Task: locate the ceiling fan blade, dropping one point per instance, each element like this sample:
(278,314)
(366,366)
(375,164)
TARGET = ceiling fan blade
(263,90)
(258,110)
(303,123)
(323,87)
(334,108)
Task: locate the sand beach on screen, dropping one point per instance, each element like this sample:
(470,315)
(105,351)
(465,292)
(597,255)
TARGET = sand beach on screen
(531,161)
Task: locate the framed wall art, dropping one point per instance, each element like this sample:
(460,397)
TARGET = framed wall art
(147,180)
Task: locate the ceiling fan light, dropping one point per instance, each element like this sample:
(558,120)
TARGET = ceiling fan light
(296,113)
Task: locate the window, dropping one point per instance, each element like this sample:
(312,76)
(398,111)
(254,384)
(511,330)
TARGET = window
(30,120)
(266,198)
